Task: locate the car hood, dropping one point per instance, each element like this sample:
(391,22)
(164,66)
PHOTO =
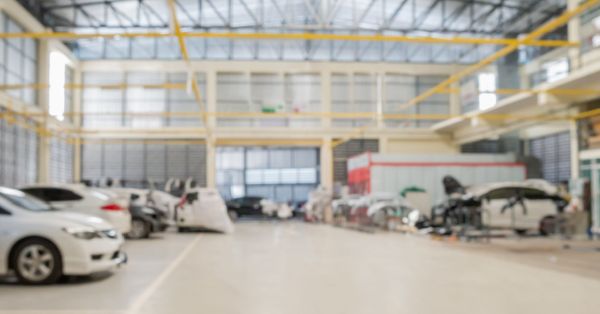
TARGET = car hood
(79,219)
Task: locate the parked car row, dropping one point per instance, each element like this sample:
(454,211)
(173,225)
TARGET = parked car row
(51,230)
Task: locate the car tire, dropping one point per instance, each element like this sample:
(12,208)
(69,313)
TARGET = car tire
(233,215)
(548,226)
(37,262)
(139,229)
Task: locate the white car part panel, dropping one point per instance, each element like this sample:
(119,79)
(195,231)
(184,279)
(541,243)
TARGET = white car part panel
(207,210)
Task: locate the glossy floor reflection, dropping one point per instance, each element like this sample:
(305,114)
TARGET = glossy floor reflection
(292,267)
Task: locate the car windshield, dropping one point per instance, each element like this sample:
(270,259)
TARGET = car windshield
(24,200)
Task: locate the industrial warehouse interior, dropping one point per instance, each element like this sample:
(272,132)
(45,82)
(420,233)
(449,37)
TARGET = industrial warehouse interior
(299,156)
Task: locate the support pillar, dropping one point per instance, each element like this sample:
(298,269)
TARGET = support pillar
(77,122)
(211,163)
(327,163)
(211,123)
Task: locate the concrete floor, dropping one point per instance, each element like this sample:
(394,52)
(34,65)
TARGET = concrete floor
(270,267)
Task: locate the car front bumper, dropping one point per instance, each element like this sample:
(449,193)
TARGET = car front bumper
(86,257)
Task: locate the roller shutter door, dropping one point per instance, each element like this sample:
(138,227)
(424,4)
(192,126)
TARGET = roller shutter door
(554,153)
(343,152)
(61,161)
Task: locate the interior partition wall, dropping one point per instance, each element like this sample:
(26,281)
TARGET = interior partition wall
(136,163)
(282,174)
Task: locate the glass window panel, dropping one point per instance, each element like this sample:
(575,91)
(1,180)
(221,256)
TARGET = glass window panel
(31,49)
(15,60)
(257,158)
(304,158)
(289,176)
(280,158)
(13,79)
(307,176)
(2,53)
(254,176)
(271,176)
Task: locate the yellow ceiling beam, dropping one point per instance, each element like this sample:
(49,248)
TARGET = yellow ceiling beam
(268,142)
(544,29)
(186,57)
(100,86)
(298,36)
(259,115)
(534,35)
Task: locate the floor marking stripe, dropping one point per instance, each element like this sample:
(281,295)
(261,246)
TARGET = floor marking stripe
(139,302)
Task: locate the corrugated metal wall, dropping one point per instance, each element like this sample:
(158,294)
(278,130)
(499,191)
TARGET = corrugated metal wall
(136,162)
(18,154)
(105,107)
(255,92)
(343,152)
(61,161)
(554,153)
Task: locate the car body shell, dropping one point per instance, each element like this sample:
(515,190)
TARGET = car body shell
(206,210)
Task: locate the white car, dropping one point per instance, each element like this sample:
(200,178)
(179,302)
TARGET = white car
(519,205)
(40,244)
(81,199)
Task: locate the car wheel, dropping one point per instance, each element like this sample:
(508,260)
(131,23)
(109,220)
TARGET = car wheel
(548,226)
(233,215)
(139,229)
(37,261)
(182,229)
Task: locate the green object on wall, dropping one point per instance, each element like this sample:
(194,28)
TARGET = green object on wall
(272,109)
(412,189)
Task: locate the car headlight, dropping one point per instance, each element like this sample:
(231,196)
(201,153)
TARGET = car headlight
(82,233)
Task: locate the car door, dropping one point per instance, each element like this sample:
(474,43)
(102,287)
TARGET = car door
(5,235)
